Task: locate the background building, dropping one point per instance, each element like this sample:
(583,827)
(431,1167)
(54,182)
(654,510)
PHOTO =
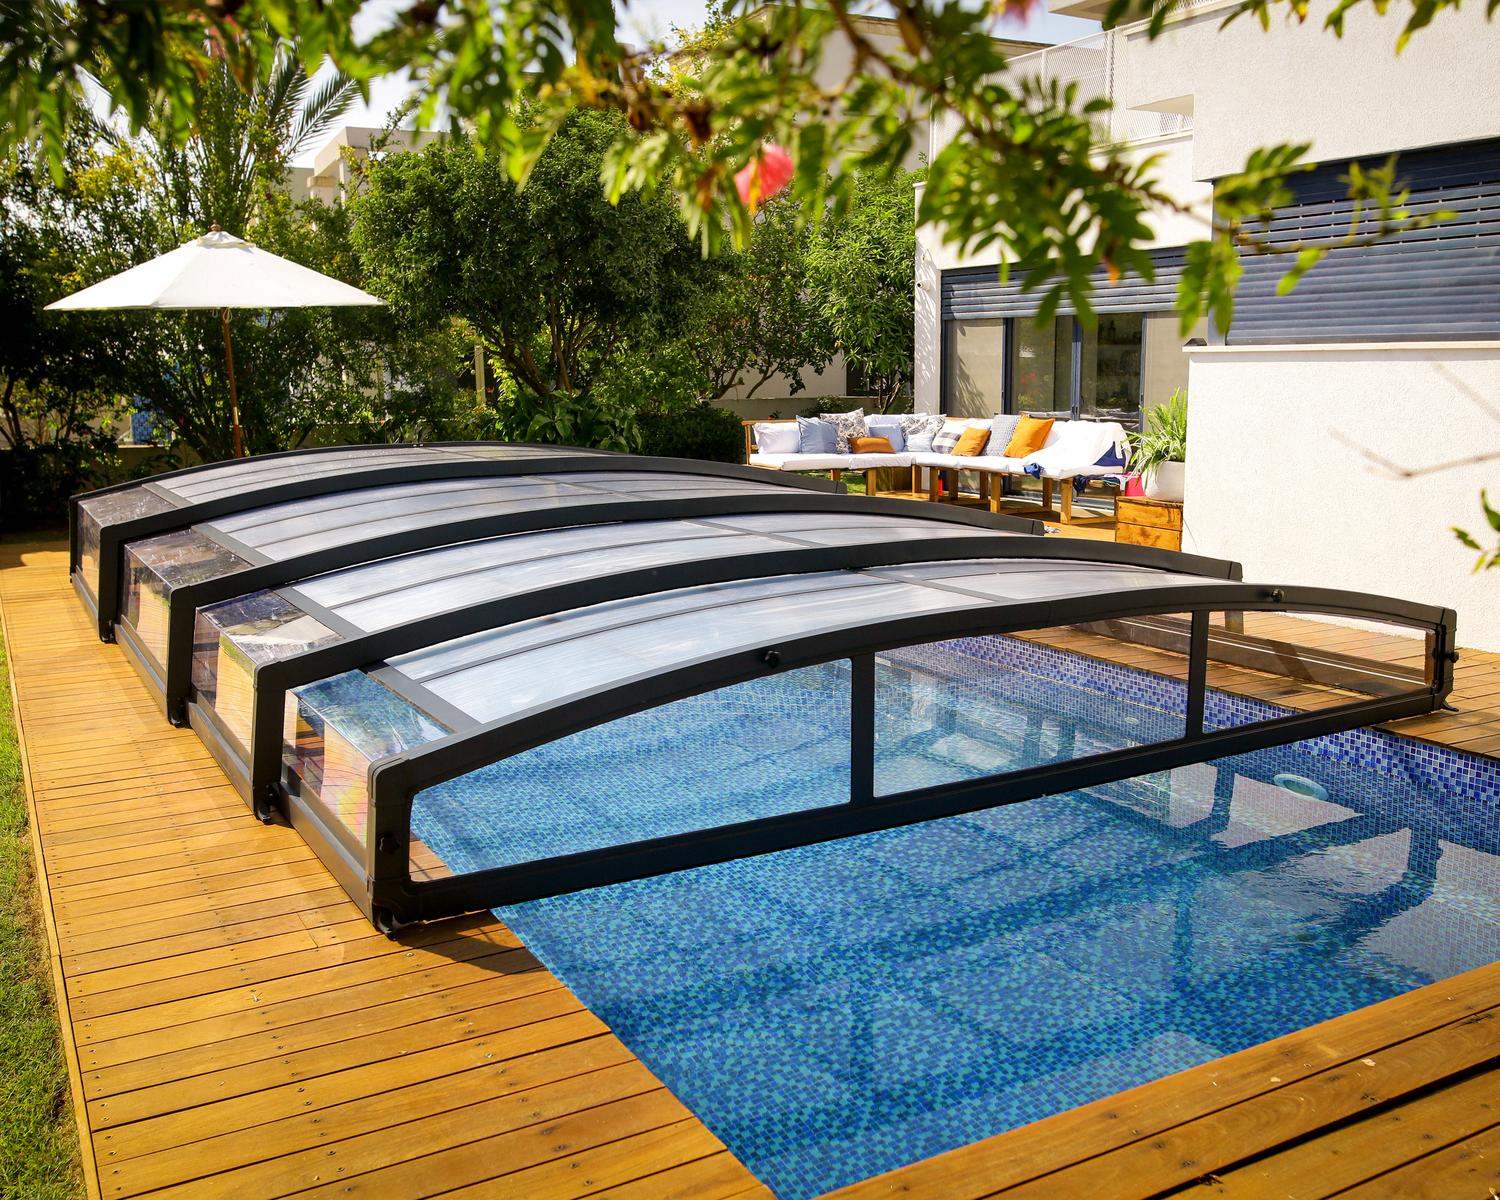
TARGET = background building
(1336,433)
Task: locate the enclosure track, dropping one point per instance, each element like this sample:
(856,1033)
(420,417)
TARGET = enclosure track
(234,1027)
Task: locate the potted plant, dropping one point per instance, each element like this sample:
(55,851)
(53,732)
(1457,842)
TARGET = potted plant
(1158,451)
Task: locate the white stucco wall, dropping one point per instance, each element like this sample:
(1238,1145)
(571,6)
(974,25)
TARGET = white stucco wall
(1348,96)
(1277,481)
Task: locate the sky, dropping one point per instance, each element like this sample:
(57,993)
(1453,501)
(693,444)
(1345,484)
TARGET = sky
(647,20)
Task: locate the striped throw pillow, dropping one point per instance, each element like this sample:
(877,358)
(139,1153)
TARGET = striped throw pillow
(947,437)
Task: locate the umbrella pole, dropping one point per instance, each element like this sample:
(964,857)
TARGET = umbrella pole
(234,400)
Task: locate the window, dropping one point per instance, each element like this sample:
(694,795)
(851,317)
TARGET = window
(974,367)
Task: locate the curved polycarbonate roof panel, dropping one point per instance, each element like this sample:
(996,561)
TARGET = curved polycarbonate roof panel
(545,663)
(381,594)
(257,474)
(297,527)
(102,522)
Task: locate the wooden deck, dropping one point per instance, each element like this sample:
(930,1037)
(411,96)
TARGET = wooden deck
(235,1028)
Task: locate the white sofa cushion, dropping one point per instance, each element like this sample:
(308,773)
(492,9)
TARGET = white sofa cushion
(969,462)
(828,462)
(777,437)
(1074,447)
(920,428)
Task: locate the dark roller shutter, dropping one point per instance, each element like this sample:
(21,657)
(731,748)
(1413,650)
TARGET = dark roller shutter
(1441,282)
(972,293)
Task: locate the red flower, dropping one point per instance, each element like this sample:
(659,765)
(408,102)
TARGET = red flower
(763,176)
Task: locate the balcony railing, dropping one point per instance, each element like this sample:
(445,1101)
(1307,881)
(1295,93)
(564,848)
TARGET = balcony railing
(1090,63)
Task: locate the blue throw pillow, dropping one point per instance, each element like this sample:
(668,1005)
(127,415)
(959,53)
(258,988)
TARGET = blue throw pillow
(816,436)
(890,428)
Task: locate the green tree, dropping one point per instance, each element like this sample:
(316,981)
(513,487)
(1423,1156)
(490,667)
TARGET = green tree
(861,269)
(60,382)
(324,374)
(562,286)
(757,317)
(1026,172)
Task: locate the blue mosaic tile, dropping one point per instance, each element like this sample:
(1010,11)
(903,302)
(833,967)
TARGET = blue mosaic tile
(840,1010)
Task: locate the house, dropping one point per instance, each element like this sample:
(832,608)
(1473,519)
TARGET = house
(1335,433)
(331,170)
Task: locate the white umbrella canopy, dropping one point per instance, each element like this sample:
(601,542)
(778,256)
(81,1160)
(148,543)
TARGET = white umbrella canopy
(219,271)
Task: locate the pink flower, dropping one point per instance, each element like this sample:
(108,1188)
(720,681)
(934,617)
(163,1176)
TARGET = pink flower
(763,176)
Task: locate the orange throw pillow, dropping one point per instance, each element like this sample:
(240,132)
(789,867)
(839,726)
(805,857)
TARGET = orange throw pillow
(871,445)
(971,442)
(1030,433)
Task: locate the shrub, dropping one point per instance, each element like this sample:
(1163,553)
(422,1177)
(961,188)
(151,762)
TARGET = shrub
(701,431)
(37,479)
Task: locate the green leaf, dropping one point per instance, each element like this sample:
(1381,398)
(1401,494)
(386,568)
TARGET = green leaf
(1306,259)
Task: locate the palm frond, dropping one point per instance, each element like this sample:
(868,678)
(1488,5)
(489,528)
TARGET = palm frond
(282,96)
(329,101)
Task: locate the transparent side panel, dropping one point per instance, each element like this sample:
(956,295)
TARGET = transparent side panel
(231,639)
(756,749)
(972,707)
(1263,665)
(156,565)
(109,509)
(333,730)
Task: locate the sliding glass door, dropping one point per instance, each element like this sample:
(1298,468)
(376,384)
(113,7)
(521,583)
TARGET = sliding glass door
(1041,369)
(1060,369)
(1072,372)
(1110,378)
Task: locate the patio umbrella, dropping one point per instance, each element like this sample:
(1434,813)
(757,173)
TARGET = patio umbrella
(217,270)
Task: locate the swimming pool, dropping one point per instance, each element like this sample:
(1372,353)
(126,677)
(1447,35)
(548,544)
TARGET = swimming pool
(839,1010)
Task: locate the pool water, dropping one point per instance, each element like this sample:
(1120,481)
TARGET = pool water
(836,1011)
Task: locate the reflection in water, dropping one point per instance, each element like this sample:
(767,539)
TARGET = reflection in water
(839,1010)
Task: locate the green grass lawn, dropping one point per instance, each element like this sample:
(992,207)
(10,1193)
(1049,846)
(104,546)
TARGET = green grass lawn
(38,1144)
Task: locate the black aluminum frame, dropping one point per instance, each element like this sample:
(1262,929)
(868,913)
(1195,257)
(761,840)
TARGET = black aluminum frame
(390,896)
(258,778)
(171,685)
(105,604)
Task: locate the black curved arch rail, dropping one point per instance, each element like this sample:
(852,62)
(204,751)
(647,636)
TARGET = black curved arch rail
(383,885)
(171,687)
(257,779)
(376,869)
(103,599)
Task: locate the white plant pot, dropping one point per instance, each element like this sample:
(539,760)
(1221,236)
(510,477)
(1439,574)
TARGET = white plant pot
(1165,482)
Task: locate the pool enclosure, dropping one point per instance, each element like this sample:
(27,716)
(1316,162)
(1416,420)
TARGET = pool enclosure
(466,672)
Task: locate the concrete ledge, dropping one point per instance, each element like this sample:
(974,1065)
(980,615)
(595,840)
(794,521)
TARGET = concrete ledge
(1492,347)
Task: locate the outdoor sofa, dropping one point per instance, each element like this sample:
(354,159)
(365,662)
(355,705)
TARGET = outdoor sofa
(1073,453)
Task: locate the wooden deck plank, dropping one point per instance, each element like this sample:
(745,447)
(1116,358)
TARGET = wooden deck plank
(233,1026)
(1346,1158)
(1469,1170)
